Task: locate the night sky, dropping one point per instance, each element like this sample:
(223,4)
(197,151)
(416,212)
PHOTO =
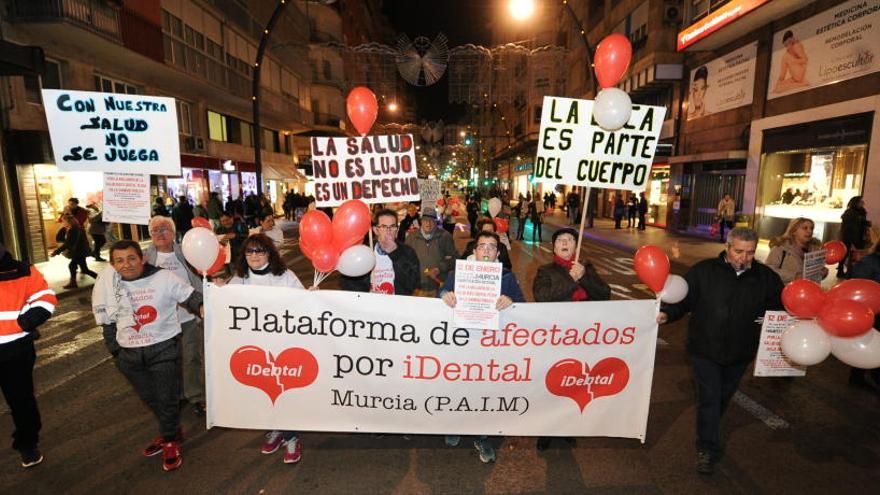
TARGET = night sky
(462,21)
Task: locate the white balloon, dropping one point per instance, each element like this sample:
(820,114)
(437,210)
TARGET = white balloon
(200,248)
(805,343)
(356,261)
(494,207)
(861,352)
(674,290)
(612,109)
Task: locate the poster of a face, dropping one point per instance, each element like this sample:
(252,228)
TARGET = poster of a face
(723,83)
(835,45)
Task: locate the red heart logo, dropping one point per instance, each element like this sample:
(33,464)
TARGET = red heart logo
(386,288)
(574,379)
(293,368)
(144,316)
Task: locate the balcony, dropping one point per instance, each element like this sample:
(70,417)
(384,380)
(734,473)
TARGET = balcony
(94,15)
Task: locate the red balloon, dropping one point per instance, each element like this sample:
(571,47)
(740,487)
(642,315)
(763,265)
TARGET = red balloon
(836,252)
(612,59)
(202,222)
(306,249)
(351,222)
(857,289)
(324,258)
(803,298)
(219,262)
(362,109)
(501,225)
(315,229)
(652,267)
(845,318)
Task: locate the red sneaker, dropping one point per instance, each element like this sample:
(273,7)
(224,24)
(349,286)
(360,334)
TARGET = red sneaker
(171,458)
(292,451)
(155,446)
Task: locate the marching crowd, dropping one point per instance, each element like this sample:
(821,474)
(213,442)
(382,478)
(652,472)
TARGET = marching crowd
(149,302)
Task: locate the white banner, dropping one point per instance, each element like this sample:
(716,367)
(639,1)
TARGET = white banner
(771,361)
(576,151)
(723,83)
(113,132)
(374,169)
(127,198)
(840,43)
(290,359)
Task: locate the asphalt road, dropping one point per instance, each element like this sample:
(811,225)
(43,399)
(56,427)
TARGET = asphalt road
(804,435)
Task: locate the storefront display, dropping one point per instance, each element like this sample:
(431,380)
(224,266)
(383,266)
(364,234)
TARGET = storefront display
(55,187)
(657,194)
(192,184)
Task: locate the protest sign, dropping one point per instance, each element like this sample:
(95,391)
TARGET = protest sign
(477,288)
(430,192)
(374,169)
(814,265)
(574,150)
(127,198)
(113,132)
(771,361)
(290,359)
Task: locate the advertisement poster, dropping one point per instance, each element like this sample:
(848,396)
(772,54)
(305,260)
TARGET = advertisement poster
(814,265)
(724,83)
(477,289)
(771,361)
(374,169)
(291,359)
(838,44)
(113,132)
(127,198)
(574,150)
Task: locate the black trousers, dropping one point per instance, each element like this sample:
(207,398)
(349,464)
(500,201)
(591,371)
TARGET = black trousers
(715,386)
(17,381)
(79,261)
(100,240)
(154,371)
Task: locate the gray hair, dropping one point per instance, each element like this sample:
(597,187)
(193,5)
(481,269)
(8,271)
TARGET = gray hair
(742,234)
(164,220)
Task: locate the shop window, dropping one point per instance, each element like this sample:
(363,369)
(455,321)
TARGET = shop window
(216,126)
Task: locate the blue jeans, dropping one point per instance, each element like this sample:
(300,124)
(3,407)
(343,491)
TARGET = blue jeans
(715,386)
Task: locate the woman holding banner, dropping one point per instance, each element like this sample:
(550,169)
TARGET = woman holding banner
(259,263)
(787,251)
(567,280)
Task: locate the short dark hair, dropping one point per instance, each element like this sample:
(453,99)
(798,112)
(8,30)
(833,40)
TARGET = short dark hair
(491,235)
(787,36)
(227,214)
(75,200)
(276,265)
(486,221)
(384,212)
(701,73)
(126,244)
(263,217)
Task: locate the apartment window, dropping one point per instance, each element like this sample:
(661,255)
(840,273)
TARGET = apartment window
(247,134)
(328,71)
(108,85)
(216,126)
(537,115)
(184,118)
(698,9)
(49,79)
(271,141)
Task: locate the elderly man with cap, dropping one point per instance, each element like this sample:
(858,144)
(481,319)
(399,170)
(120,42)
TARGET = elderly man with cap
(436,252)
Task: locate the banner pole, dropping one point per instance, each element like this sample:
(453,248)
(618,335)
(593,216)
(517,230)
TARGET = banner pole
(577,253)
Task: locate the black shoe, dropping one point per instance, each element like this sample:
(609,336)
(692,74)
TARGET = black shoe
(705,464)
(543,443)
(199,409)
(31,457)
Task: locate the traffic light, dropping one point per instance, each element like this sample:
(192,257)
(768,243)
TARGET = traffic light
(468,140)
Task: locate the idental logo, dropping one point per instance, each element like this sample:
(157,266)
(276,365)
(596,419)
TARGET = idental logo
(274,375)
(577,381)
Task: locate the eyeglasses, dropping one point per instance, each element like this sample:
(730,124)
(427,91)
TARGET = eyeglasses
(387,227)
(488,247)
(249,251)
(161,230)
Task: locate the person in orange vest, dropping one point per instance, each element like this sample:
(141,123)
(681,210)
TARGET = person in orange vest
(26,302)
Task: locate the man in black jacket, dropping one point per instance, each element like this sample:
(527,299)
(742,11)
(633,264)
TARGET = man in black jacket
(397,269)
(727,298)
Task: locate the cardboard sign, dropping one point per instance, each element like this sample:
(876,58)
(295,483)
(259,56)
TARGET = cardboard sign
(430,192)
(477,288)
(374,169)
(574,150)
(127,198)
(771,361)
(290,359)
(111,132)
(814,265)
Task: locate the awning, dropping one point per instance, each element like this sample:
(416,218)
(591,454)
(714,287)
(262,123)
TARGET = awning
(285,172)
(712,156)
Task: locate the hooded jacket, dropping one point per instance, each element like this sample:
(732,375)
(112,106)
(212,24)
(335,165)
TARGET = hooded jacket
(438,252)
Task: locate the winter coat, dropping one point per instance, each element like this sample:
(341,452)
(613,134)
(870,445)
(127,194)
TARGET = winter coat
(215,208)
(439,252)
(553,283)
(854,224)
(619,208)
(724,308)
(726,210)
(182,214)
(407,273)
(97,226)
(75,244)
(869,268)
(787,259)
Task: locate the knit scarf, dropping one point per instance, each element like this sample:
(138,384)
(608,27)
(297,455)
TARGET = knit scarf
(579,294)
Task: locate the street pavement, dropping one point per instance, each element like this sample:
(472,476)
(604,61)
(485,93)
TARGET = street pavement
(805,435)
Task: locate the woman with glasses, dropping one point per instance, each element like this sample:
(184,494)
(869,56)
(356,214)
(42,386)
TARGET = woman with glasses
(259,263)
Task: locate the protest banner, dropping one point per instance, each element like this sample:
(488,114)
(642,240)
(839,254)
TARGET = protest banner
(477,288)
(723,83)
(374,169)
(291,359)
(771,361)
(430,192)
(574,150)
(113,132)
(127,198)
(814,265)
